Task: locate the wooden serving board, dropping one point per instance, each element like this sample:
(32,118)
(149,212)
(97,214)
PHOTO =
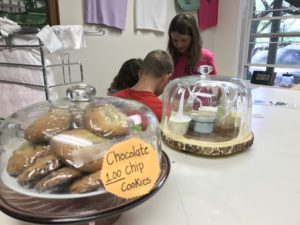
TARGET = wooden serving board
(205,148)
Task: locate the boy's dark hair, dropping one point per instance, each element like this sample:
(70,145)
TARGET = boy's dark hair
(127,76)
(185,23)
(158,63)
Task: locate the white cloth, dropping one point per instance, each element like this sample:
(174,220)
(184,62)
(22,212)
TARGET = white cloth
(17,97)
(31,75)
(61,38)
(14,96)
(71,36)
(151,15)
(8,27)
(49,39)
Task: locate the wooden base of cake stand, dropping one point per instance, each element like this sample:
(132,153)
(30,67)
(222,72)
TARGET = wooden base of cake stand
(206,148)
(107,221)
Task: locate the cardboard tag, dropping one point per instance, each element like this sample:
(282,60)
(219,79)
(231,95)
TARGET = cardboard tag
(130,169)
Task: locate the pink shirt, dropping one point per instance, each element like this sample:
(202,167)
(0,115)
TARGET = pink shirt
(207,58)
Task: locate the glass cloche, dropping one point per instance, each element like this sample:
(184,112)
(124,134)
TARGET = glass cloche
(207,115)
(80,158)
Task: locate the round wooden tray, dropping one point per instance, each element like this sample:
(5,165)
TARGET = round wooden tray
(207,148)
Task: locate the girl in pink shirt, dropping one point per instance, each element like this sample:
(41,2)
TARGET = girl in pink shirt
(185,46)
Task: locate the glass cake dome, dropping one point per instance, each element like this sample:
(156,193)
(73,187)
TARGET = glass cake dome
(207,115)
(54,154)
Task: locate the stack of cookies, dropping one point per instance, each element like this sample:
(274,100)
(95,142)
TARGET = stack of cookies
(58,157)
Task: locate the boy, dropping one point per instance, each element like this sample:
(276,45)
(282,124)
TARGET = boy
(153,77)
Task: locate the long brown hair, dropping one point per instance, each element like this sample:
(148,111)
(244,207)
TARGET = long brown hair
(185,23)
(127,76)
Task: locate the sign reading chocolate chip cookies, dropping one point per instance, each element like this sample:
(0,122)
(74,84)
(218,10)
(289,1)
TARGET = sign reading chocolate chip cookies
(130,168)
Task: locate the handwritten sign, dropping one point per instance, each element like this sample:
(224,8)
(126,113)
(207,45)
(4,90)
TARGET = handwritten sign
(130,169)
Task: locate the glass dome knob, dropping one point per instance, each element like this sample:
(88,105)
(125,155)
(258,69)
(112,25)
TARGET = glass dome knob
(81,92)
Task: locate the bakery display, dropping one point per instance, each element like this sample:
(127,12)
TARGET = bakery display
(56,149)
(48,125)
(56,157)
(73,145)
(57,178)
(86,183)
(207,115)
(25,156)
(43,166)
(105,120)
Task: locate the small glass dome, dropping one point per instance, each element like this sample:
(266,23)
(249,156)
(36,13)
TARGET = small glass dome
(207,115)
(55,149)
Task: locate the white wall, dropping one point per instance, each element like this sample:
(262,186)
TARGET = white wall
(104,54)
(226,37)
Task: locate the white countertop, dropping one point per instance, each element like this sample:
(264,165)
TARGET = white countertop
(260,186)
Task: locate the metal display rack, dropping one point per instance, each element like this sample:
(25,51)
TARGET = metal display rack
(65,62)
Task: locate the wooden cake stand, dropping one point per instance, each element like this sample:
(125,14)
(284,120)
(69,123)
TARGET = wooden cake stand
(202,145)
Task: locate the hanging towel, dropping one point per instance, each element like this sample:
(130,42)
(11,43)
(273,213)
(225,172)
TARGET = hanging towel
(208,14)
(151,14)
(49,39)
(71,36)
(108,12)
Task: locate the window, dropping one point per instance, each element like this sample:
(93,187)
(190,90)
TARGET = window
(35,13)
(272,40)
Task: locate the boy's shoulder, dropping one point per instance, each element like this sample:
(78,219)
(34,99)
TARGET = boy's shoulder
(121,93)
(128,92)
